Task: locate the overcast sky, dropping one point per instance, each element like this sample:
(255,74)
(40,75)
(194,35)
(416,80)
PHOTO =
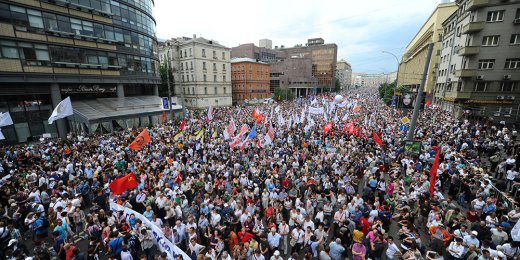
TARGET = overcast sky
(361,29)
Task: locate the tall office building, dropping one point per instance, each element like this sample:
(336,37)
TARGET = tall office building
(344,74)
(101,53)
(478,73)
(203,70)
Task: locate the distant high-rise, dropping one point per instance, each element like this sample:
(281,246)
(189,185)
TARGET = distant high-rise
(266,43)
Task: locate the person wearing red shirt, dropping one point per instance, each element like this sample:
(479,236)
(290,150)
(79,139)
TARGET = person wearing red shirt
(69,251)
(365,225)
(244,236)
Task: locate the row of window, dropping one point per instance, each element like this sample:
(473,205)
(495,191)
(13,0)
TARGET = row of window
(215,90)
(26,19)
(242,77)
(493,40)
(184,65)
(204,78)
(44,55)
(512,63)
(130,17)
(481,86)
(251,96)
(188,53)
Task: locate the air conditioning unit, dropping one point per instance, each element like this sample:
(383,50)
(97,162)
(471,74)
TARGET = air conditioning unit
(516,21)
(507,76)
(507,115)
(501,97)
(480,77)
(510,97)
(449,79)
(496,114)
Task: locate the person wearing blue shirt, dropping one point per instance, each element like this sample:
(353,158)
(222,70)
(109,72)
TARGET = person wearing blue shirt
(488,208)
(148,213)
(116,244)
(41,231)
(336,250)
(61,228)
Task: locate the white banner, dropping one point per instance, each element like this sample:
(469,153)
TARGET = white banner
(5,119)
(316,110)
(159,239)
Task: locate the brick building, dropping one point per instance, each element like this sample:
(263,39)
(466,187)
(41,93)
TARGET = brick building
(249,79)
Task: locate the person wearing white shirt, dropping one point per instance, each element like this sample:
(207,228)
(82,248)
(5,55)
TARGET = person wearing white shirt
(456,249)
(392,252)
(215,218)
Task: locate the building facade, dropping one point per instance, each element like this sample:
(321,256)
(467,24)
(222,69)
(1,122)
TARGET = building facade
(249,79)
(344,74)
(263,53)
(203,70)
(88,50)
(295,74)
(323,56)
(414,59)
(478,73)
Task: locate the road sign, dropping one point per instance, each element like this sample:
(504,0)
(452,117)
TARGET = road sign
(405,120)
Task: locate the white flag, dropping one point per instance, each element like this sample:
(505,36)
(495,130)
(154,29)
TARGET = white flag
(5,119)
(210,113)
(281,121)
(345,117)
(62,110)
(277,109)
(2,137)
(270,136)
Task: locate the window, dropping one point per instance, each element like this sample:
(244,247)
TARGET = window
(8,50)
(224,90)
(190,52)
(490,40)
(205,89)
(185,54)
(203,53)
(495,16)
(515,39)
(214,54)
(203,65)
(35,18)
(192,77)
(509,86)
(205,78)
(214,66)
(182,66)
(215,78)
(224,78)
(193,90)
(216,91)
(486,64)
(223,55)
(480,86)
(513,63)
(191,65)
(223,67)
(183,79)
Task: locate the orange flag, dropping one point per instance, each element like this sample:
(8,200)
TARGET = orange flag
(377,139)
(141,140)
(122,184)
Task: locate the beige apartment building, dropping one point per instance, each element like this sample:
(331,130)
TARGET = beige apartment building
(413,61)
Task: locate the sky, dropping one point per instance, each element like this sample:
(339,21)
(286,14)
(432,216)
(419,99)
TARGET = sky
(361,29)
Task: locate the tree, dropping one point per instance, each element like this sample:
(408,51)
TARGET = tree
(283,94)
(338,85)
(163,88)
(386,91)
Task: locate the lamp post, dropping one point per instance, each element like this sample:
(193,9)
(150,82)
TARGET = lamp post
(168,81)
(396,75)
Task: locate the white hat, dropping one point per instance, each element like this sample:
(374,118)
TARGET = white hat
(474,233)
(225,204)
(277,253)
(11,242)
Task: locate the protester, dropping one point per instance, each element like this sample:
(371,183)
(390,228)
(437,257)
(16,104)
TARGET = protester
(310,178)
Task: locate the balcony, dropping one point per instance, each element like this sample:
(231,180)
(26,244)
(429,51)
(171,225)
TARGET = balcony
(475,4)
(465,73)
(469,51)
(473,27)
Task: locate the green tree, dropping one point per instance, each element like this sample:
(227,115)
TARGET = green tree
(338,85)
(163,88)
(386,91)
(283,94)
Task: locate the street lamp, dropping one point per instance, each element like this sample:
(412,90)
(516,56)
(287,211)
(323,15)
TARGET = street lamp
(168,80)
(397,75)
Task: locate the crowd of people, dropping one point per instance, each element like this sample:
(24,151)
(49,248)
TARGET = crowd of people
(310,193)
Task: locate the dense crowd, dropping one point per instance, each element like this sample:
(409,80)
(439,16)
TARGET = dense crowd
(309,194)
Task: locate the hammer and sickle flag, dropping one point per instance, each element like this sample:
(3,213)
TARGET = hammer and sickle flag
(141,140)
(124,183)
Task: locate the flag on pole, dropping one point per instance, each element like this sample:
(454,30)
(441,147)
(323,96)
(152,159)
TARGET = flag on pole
(270,136)
(215,134)
(62,110)
(210,113)
(244,143)
(243,130)
(183,125)
(5,119)
(124,183)
(377,139)
(252,134)
(2,137)
(234,143)
(229,131)
(433,170)
(141,140)
(199,134)
(259,142)
(327,127)
(178,135)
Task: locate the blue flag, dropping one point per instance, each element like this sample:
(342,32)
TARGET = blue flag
(252,134)
(403,128)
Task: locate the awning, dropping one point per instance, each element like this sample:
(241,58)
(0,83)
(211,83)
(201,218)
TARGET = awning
(108,109)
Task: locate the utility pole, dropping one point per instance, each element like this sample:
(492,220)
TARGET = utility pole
(177,49)
(168,80)
(418,99)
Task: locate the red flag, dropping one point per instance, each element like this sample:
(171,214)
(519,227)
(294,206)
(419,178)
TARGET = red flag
(350,127)
(377,139)
(183,124)
(356,130)
(163,116)
(428,103)
(141,140)
(435,167)
(327,127)
(122,184)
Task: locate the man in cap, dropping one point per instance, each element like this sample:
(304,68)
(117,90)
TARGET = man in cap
(471,239)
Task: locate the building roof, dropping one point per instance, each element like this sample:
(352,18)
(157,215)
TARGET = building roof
(236,60)
(106,109)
